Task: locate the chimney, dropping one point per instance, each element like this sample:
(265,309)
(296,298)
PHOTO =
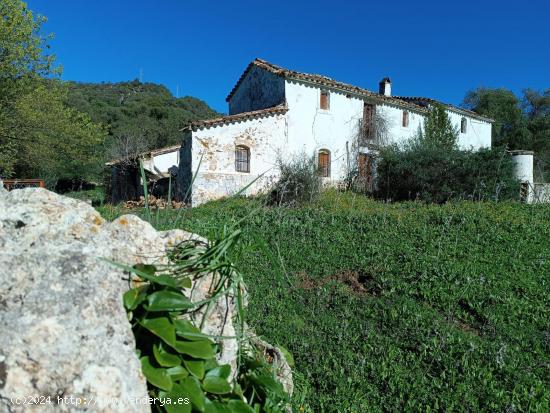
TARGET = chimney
(384,87)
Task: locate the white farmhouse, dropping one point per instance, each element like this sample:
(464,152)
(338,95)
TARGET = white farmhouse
(276,112)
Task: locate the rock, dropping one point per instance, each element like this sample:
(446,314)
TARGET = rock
(64,331)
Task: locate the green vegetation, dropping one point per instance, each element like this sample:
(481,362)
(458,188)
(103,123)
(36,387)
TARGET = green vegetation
(178,361)
(137,116)
(432,168)
(64,132)
(398,307)
(519,123)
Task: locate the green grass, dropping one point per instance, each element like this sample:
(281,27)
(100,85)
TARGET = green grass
(96,196)
(403,307)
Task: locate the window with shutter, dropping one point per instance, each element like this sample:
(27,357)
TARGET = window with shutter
(324,163)
(242,159)
(405,119)
(325,100)
(463,125)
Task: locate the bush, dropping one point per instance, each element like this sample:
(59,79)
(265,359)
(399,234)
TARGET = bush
(433,175)
(298,183)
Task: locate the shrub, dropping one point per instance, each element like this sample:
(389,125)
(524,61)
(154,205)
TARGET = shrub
(431,174)
(298,183)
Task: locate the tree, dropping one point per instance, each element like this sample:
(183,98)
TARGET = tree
(501,105)
(438,131)
(39,135)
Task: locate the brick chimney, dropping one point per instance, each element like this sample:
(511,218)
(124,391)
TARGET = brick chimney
(384,87)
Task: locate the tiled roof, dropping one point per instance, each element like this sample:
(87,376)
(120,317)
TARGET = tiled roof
(239,117)
(424,102)
(413,103)
(320,80)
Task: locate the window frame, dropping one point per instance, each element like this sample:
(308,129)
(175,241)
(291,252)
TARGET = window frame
(240,149)
(325,93)
(323,170)
(463,125)
(405,119)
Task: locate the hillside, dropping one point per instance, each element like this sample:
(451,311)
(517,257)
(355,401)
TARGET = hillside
(403,307)
(146,112)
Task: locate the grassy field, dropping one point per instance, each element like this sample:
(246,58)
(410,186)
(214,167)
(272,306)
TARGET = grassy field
(403,307)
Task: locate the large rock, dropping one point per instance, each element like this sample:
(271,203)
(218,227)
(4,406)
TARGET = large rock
(63,329)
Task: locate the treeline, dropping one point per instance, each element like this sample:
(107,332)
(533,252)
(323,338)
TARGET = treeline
(64,132)
(520,122)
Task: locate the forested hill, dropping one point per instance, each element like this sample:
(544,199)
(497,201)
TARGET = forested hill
(145,114)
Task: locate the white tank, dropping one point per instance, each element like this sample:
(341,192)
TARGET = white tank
(523,161)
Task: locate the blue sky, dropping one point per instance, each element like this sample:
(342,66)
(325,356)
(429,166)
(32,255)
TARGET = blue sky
(437,49)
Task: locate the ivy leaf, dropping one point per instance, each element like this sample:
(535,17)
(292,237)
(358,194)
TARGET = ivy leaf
(177,372)
(238,406)
(168,301)
(192,389)
(185,283)
(221,371)
(134,297)
(196,349)
(164,358)
(177,393)
(156,376)
(161,327)
(216,385)
(186,329)
(195,367)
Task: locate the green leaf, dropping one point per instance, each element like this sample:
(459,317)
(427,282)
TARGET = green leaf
(161,327)
(168,301)
(176,395)
(134,297)
(195,367)
(164,358)
(192,389)
(288,356)
(220,407)
(210,407)
(147,272)
(185,283)
(216,385)
(222,371)
(238,406)
(196,349)
(177,372)
(186,329)
(156,376)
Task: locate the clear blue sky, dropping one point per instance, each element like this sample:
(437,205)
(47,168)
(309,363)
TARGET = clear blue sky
(437,49)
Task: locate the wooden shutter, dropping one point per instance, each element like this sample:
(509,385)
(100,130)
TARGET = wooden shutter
(365,170)
(405,119)
(368,122)
(324,164)
(324,100)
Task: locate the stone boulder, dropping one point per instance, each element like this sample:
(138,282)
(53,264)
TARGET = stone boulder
(65,337)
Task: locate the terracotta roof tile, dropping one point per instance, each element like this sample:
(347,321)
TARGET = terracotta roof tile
(239,117)
(417,104)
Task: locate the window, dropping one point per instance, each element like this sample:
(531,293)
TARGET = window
(325,100)
(242,159)
(405,119)
(367,129)
(324,163)
(463,125)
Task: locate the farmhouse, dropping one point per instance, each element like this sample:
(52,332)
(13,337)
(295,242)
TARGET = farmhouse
(279,113)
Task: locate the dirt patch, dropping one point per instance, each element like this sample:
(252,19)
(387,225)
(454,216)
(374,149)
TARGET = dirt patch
(359,282)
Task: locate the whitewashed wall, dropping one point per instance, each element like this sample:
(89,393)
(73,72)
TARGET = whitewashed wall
(478,132)
(259,89)
(311,128)
(216,175)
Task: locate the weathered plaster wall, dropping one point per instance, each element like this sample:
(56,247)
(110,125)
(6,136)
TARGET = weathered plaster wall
(216,177)
(260,89)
